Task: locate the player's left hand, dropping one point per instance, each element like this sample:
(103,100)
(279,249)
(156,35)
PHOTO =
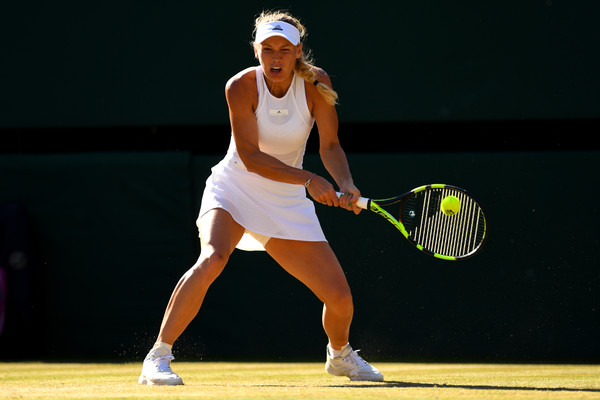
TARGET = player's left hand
(349,198)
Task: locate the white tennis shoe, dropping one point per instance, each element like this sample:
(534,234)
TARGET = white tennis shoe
(350,364)
(157,369)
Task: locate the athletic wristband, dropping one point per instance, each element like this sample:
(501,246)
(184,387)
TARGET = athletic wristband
(309,179)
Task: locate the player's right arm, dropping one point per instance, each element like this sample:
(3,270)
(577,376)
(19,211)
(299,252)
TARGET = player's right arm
(242,100)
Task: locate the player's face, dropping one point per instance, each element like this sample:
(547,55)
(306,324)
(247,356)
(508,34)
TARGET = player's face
(277,57)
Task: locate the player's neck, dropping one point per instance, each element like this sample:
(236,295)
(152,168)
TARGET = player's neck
(278,89)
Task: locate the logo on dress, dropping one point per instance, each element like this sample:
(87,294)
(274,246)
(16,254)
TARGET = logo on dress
(278,112)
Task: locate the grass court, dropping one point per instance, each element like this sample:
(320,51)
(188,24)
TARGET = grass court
(213,380)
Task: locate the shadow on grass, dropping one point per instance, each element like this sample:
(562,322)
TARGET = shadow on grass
(398,384)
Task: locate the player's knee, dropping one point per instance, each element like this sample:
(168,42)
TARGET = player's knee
(341,302)
(211,263)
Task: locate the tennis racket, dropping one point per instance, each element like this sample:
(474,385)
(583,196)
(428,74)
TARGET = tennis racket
(422,221)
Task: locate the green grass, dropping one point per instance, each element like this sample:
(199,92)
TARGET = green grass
(204,380)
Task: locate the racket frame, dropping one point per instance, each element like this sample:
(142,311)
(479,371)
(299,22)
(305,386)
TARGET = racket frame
(376,206)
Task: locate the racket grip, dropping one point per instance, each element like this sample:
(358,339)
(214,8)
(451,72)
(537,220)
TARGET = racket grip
(362,202)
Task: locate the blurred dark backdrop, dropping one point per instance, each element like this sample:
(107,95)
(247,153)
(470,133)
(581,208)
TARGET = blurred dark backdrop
(150,75)
(112,113)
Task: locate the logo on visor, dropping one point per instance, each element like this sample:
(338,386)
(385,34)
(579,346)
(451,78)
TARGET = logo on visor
(277,28)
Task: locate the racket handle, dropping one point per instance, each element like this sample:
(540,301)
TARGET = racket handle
(362,202)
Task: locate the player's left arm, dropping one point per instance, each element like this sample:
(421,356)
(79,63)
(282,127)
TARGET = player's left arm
(331,152)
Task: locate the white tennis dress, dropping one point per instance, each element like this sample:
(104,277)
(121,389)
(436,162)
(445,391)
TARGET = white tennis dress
(268,208)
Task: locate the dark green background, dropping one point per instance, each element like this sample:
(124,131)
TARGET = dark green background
(109,63)
(112,113)
(116,231)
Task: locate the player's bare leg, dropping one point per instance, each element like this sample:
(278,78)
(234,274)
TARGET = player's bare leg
(219,236)
(315,265)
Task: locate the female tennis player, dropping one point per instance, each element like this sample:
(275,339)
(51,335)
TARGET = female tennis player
(255,198)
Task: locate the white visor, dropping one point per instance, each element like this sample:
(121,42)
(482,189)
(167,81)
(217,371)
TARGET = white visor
(277,28)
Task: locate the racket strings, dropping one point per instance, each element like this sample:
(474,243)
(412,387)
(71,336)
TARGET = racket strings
(457,235)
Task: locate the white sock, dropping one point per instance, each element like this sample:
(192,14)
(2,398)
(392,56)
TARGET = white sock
(336,353)
(163,344)
(165,347)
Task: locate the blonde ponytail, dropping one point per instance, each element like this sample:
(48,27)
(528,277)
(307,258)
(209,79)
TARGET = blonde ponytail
(306,70)
(304,65)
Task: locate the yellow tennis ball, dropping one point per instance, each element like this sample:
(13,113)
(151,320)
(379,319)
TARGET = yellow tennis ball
(450,205)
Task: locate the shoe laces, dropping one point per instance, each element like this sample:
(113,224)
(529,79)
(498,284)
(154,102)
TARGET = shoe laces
(163,363)
(355,359)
